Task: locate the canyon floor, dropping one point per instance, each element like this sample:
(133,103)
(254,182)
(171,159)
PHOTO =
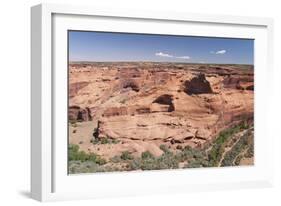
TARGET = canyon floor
(127,116)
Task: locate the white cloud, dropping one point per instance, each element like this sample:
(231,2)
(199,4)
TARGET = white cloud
(161,54)
(183,57)
(221,52)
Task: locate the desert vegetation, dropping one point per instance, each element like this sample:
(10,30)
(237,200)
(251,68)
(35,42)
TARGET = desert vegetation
(211,156)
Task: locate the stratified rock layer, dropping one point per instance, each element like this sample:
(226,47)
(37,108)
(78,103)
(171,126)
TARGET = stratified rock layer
(144,105)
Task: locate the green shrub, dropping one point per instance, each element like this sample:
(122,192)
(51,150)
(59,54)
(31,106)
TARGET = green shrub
(147,155)
(167,161)
(250,151)
(148,162)
(94,141)
(76,167)
(75,155)
(244,125)
(135,164)
(194,157)
(237,160)
(106,140)
(236,150)
(194,164)
(126,155)
(218,146)
(164,148)
(116,159)
(115,141)
(99,160)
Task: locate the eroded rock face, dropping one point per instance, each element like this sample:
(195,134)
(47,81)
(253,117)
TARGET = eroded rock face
(166,99)
(115,111)
(75,87)
(145,105)
(130,83)
(77,113)
(73,112)
(238,82)
(197,85)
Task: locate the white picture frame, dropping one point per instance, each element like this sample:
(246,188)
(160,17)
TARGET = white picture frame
(49,179)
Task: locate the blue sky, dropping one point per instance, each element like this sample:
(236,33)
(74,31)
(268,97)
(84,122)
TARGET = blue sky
(105,46)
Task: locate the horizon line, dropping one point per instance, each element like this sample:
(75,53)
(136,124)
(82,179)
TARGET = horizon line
(174,62)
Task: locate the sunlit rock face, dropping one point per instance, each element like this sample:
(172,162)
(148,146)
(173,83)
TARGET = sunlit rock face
(145,105)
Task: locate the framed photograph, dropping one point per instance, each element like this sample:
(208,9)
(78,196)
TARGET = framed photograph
(137,102)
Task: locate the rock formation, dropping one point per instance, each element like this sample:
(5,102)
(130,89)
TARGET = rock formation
(79,114)
(144,105)
(197,85)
